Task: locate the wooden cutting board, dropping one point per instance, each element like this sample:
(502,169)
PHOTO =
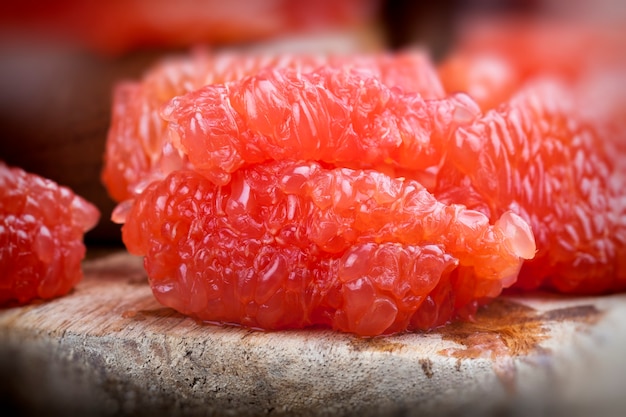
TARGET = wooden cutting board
(109,348)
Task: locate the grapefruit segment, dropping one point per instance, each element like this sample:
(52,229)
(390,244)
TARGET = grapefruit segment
(538,156)
(262,252)
(41,230)
(338,116)
(138,150)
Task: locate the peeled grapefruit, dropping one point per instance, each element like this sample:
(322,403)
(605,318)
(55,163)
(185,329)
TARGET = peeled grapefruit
(296,197)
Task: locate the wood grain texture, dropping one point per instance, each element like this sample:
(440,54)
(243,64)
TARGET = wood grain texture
(110,349)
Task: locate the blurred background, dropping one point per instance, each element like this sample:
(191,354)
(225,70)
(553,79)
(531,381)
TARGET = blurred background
(60,60)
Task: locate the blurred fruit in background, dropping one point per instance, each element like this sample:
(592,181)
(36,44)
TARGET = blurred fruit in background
(60,60)
(493,56)
(120,26)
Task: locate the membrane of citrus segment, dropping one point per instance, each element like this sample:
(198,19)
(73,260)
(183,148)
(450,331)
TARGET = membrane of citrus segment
(137,149)
(289,244)
(339,116)
(563,172)
(41,231)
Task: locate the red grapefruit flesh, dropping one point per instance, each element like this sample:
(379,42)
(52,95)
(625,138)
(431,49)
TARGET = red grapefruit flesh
(553,149)
(540,157)
(41,231)
(289,244)
(339,116)
(137,149)
(302,196)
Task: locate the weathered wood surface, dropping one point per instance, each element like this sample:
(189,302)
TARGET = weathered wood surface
(110,349)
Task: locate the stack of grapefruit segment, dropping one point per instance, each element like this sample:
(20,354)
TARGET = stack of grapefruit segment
(357,193)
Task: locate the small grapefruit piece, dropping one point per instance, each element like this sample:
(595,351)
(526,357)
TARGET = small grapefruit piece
(340,116)
(290,244)
(137,149)
(41,231)
(541,157)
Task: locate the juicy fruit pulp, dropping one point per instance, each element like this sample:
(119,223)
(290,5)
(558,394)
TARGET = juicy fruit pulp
(41,230)
(250,235)
(291,244)
(204,263)
(138,151)
(551,146)
(287,202)
(536,156)
(343,117)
